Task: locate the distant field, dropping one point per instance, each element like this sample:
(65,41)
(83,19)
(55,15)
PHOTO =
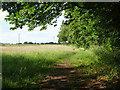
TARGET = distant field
(25,64)
(27,48)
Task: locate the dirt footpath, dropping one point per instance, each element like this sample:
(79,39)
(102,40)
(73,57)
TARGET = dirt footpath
(66,77)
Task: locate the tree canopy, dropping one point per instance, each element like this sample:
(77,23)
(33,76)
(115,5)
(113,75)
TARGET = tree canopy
(97,26)
(86,24)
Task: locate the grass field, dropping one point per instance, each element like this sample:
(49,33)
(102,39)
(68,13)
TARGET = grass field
(24,65)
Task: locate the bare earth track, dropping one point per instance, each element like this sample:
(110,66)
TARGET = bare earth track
(65,77)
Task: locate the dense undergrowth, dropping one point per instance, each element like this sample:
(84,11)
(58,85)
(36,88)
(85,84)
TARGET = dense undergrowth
(103,62)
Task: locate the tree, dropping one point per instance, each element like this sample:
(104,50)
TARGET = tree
(25,42)
(36,14)
(30,43)
(32,14)
(63,34)
(86,27)
(88,23)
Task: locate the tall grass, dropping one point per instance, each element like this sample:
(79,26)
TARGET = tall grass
(24,65)
(98,60)
(21,68)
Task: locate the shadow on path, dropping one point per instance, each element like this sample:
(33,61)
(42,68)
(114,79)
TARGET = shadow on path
(65,77)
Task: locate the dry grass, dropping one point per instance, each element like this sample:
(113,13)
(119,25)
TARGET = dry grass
(35,48)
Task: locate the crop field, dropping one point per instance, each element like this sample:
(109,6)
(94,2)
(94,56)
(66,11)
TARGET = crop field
(53,66)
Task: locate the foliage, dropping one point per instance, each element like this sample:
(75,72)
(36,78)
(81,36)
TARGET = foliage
(30,43)
(98,61)
(86,24)
(63,34)
(93,26)
(25,42)
(32,14)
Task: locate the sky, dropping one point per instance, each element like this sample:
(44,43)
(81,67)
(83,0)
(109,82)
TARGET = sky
(11,36)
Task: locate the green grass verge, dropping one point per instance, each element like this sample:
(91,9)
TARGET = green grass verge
(23,68)
(100,61)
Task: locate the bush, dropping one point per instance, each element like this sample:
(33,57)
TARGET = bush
(99,60)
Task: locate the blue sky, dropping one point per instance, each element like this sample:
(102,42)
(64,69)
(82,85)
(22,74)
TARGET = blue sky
(9,36)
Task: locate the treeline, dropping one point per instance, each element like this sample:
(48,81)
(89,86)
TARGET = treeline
(40,43)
